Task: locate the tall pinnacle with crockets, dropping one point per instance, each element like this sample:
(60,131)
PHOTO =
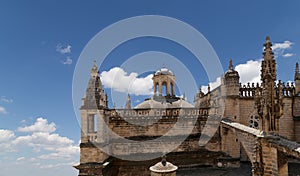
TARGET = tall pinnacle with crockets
(270,104)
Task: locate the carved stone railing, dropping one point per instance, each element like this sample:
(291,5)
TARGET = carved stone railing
(287,90)
(115,114)
(249,90)
(282,89)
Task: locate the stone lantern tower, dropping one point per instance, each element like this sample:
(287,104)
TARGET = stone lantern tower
(164,78)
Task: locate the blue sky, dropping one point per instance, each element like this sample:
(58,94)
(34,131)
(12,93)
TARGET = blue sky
(41,41)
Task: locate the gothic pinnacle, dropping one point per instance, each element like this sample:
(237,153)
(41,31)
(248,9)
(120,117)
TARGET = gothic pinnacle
(297,74)
(230,65)
(94,71)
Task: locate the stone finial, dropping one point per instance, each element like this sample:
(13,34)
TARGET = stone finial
(164,160)
(94,71)
(230,65)
(268,53)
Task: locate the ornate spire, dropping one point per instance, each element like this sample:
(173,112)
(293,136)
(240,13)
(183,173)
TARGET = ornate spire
(268,67)
(268,53)
(270,108)
(94,70)
(297,74)
(128,102)
(94,95)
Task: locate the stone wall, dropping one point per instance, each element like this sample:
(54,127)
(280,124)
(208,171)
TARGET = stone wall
(286,122)
(89,153)
(162,122)
(269,159)
(246,109)
(230,143)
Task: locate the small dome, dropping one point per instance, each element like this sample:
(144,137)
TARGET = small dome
(151,103)
(164,71)
(231,73)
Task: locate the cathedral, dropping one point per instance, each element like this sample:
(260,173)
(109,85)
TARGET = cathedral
(130,140)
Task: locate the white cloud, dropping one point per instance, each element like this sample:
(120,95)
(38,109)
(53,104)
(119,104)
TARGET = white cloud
(42,139)
(212,85)
(41,125)
(68,61)
(20,159)
(2,110)
(55,146)
(37,150)
(280,48)
(63,49)
(250,71)
(65,153)
(288,55)
(119,80)
(6,135)
(285,45)
(6,100)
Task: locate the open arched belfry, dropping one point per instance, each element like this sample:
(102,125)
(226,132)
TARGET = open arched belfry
(164,78)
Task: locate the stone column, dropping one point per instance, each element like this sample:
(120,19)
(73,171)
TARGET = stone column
(84,126)
(160,88)
(172,88)
(155,91)
(168,88)
(101,134)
